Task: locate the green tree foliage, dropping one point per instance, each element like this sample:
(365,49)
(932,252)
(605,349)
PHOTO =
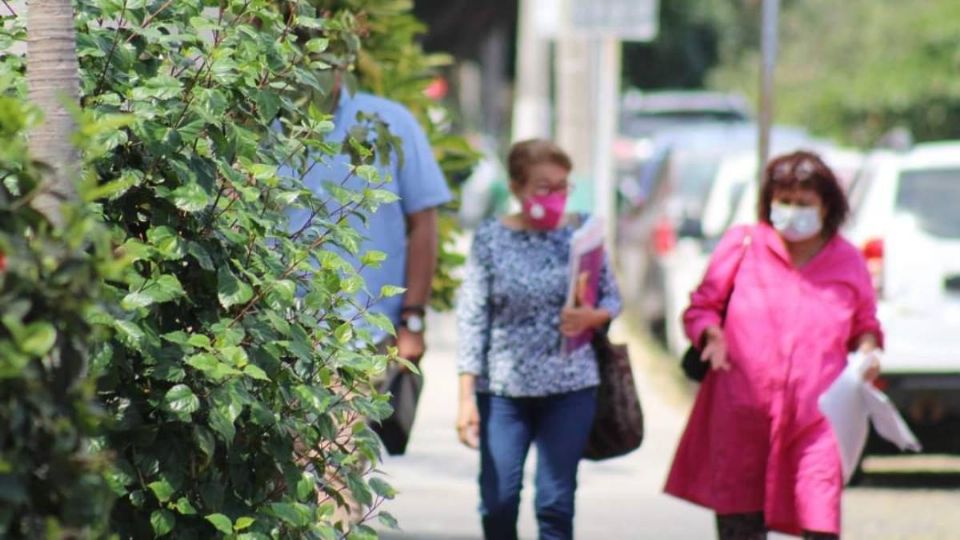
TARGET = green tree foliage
(855,69)
(684,51)
(237,369)
(52,482)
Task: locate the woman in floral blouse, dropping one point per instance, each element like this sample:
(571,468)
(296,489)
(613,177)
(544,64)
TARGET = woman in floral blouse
(517,385)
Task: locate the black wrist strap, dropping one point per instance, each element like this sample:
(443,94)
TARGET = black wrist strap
(416,310)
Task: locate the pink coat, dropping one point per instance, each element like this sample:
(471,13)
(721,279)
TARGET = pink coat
(756,440)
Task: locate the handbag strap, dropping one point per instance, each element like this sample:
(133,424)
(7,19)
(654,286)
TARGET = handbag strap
(744,246)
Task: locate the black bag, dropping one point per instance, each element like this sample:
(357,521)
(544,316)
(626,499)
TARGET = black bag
(618,425)
(693,366)
(404,388)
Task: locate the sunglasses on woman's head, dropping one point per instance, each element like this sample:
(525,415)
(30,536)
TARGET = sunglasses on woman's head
(800,171)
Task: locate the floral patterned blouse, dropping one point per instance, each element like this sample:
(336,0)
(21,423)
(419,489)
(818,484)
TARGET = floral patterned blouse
(508,313)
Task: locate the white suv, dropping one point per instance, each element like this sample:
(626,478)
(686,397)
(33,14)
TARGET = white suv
(906,219)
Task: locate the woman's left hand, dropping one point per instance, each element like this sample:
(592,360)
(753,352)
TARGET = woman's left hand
(870,348)
(873,367)
(576,320)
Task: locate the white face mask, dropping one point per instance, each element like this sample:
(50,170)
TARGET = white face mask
(796,223)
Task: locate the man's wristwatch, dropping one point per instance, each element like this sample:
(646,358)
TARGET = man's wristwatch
(412,318)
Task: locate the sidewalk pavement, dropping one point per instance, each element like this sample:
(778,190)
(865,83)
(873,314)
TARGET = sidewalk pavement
(620,498)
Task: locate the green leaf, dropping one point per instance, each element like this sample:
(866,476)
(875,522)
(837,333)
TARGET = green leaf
(410,366)
(235,356)
(203,361)
(162,521)
(184,507)
(205,441)
(161,87)
(243,523)
(359,490)
(344,333)
(295,514)
(388,520)
(225,410)
(362,532)
(255,372)
(307,486)
(380,321)
(37,338)
(162,489)
(135,250)
(113,190)
(382,488)
(163,289)
(211,366)
(190,198)
(285,290)
(221,522)
(268,105)
(199,253)
(368,173)
(181,400)
(199,340)
(230,290)
(167,243)
(373,258)
(203,24)
(389,291)
(380,196)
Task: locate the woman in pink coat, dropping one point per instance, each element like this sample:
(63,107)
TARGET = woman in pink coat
(780,307)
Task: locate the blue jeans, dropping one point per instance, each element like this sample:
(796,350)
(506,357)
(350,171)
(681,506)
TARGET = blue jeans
(560,426)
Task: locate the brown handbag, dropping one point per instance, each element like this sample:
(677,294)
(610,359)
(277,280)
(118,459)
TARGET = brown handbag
(618,425)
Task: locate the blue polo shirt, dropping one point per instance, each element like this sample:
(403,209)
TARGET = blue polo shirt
(418,182)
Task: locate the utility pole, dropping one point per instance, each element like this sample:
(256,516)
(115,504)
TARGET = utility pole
(608,61)
(770,18)
(588,87)
(531,107)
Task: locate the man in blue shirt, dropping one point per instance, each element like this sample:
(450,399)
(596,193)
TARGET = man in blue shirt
(406,230)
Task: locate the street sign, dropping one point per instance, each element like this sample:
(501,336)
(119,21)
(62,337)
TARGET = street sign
(626,20)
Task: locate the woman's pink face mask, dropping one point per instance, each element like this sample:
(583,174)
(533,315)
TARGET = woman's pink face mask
(545,212)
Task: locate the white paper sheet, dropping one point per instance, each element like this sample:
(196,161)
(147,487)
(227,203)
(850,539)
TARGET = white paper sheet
(851,404)
(844,408)
(887,421)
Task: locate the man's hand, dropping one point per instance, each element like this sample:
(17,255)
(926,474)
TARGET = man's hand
(410,345)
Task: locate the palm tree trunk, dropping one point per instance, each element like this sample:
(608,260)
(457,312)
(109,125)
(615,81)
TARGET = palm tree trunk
(53,80)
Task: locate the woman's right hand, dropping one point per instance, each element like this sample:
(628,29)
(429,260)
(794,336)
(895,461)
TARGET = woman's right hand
(715,349)
(468,423)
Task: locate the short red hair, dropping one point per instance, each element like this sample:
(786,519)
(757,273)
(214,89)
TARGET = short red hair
(805,170)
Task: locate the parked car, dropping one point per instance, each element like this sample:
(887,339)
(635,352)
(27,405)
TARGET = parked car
(669,189)
(907,223)
(644,115)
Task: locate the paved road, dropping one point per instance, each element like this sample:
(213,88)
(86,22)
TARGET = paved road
(621,499)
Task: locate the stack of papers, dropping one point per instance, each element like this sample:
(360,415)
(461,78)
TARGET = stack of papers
(851,404)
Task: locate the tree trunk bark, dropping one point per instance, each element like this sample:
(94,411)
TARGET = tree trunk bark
(53,80)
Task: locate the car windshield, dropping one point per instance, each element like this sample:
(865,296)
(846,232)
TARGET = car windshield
(694,172)
(931,197)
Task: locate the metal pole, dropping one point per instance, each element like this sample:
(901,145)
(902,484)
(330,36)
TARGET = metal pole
(771,15)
